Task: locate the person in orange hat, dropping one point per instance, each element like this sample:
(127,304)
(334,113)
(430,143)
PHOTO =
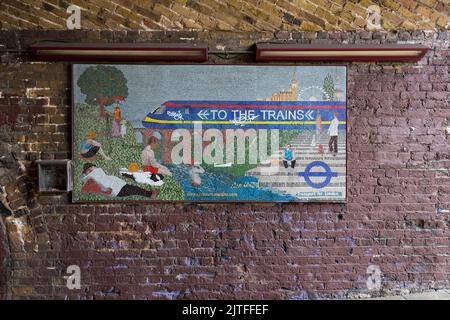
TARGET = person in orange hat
(115,125)
(89,148)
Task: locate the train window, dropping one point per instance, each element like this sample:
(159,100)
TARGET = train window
(160,110)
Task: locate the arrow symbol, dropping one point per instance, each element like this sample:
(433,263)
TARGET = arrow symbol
(203,114)
(309,114)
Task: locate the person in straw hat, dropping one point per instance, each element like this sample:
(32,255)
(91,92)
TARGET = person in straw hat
(89,148)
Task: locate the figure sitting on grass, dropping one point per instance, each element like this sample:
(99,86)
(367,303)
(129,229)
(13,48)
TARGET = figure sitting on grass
(97,181)
(89,148)
(149,163)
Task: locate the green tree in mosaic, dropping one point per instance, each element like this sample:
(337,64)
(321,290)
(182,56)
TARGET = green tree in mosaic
(328,88)
(102,85)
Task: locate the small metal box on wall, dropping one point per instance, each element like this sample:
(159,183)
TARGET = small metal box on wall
(55,175)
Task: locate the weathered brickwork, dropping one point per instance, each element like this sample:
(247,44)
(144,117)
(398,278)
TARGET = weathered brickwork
(228,15)
(397,215)
(4,260)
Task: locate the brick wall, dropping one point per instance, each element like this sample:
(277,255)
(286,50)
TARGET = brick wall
(397,215)
(229,15)
(4,260)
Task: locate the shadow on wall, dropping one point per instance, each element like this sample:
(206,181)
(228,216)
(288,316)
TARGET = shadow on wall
(4,261)
(14,187)
(11,201)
